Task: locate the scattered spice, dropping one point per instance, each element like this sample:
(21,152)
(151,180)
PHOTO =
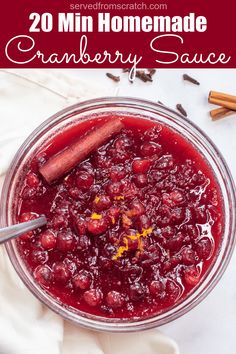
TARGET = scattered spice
(181,109)
(143,76)
(222,99)
(190,79)
(226,102)
(137,237)
(221,112)
(152,72)
(95,216)
(113,77)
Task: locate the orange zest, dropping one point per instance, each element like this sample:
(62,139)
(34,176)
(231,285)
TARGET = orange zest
(119,197)
(126,222)
(138,236)
(96,216)
(97,199)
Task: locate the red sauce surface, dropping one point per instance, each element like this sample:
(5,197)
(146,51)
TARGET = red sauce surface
(131,230)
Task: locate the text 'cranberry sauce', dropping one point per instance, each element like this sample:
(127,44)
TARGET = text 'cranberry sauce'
(131,230)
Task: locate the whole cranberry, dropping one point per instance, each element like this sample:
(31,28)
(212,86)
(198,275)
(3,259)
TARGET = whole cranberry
(86,166)
(141,165)
(109,250)
(176,197)
(154,252)
(122,143)
(32,180)
(175,243)
(97,227)
(204,248)
(113,214)
(133,272)
(191,275)
(115,299)
(82,280)
(105,263)
(150,149)
(119,156)
(177,214)
(83,242)
(65,241)
(61,273)
(102,161)
(188,256)
(137,291)
(143,222)
(129,189)
(93,297)
(141,180)
(173,290)
(43,274)
(84,180)
(48,239)
(71,265)
(59,222)
(28,193)
(192,231)
(168,232)
(117,173)
(28,216)
(39,257)
(27,235)
(156,288)
(102,202)
(80,225)
(137,208)
(74,193)
(114,189)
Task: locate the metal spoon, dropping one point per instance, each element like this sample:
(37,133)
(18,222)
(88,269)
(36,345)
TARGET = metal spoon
(10,232)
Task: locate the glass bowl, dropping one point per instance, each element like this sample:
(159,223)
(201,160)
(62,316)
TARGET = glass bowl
(147,110)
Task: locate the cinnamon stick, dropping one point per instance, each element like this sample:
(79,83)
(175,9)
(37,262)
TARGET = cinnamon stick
(222,99)
(68,158)
(221,112)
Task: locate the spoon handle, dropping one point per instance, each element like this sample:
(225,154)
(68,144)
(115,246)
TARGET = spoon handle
(10,232)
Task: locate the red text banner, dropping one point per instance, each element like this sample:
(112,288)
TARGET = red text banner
(128,34)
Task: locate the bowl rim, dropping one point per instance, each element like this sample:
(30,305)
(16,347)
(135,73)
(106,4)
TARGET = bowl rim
(92,323)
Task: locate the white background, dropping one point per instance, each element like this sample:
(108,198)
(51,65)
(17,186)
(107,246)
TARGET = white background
(210,327)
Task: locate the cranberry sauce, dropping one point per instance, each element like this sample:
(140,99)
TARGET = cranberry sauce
(131,230)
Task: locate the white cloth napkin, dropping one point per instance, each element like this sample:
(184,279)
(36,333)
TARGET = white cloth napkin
(27,97)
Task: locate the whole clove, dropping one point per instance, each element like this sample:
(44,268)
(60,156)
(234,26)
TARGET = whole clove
(113,77)
(152,72)
(186,77)
(181,109)
(140,74)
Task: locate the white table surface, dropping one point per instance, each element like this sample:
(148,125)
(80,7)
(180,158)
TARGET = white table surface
(209,327)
